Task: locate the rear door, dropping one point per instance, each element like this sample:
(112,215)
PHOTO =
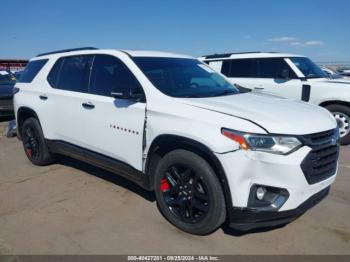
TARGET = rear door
(243,72)
(114,127)
(69,80)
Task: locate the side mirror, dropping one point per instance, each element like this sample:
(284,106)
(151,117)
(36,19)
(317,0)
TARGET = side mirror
(129,94)
(284,74)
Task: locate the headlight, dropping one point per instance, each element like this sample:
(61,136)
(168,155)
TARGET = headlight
(274,144)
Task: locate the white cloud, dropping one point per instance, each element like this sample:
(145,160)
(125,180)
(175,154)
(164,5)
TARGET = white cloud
(293,41)
(307,43)
(314,43)
(283,39)
(296,43)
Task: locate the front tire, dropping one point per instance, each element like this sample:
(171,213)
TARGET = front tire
(341,113)
(34,143)
(189,193)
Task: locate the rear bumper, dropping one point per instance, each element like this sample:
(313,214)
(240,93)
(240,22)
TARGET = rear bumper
(245,219)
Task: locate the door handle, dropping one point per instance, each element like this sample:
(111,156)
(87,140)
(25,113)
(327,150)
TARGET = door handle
(43,97)
(258,88)
(88,105)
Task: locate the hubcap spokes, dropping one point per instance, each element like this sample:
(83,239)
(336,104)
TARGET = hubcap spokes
(343,122)
(31,143)
(185,195)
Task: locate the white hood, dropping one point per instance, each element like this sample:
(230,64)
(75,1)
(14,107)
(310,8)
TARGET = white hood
(274,114)
(330,81)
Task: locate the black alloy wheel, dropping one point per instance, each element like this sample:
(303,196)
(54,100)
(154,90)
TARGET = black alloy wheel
(185,194)
(34,143)
(189,193)
(31,143)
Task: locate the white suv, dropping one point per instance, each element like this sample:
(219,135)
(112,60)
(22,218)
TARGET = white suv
(174,126)
(291,76)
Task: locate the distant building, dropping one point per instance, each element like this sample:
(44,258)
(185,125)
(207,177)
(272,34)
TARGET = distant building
(13,65)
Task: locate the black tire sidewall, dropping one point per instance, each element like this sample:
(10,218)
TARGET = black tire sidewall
(217,211)
(345,110)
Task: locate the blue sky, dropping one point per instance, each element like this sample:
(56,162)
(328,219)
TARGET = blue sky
(319,29)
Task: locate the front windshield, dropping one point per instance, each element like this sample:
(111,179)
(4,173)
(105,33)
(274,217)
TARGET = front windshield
(308,68)
(6,78)
(182,77)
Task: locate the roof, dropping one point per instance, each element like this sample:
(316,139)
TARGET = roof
(247,55)
(93,50)
(150,53)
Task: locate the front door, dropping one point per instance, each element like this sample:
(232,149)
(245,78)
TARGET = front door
(114,127)
(277,78)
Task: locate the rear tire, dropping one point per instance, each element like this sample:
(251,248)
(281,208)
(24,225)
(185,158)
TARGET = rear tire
(342,115)
(34,143)
(189,193)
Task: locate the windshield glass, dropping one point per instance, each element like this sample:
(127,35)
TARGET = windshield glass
(308,68)
(6,78)
(181,77)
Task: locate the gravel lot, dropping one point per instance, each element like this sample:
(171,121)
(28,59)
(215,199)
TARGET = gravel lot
(73,208)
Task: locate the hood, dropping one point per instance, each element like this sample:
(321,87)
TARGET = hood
(6,90)
(331,81)
(274,114)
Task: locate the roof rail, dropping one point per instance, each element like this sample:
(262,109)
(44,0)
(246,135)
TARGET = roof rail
(225,55)
(68,50)
(228,54)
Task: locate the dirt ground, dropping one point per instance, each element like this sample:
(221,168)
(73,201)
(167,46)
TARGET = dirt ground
(74,208)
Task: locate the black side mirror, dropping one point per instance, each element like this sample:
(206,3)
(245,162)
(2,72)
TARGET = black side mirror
(305,93)
(284,74)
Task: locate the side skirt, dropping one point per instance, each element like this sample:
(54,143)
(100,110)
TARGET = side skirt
(101,161)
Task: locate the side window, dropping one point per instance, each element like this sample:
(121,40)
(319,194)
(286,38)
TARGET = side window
(225,69)
(109,74)
(31,70)
(274,68)
(243,68)
(52,78)
(71,73)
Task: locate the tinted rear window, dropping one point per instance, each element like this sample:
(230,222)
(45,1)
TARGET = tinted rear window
(243,68)
(71,73)
(31,70)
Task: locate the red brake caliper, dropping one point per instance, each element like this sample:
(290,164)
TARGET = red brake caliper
(29,152)
(164,185)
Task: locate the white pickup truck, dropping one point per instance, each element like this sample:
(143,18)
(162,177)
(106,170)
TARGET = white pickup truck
(288,75)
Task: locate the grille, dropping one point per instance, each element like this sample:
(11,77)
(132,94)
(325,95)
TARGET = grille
(321,162)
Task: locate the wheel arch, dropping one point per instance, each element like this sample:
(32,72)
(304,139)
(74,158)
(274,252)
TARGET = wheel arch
(164,144)
(334,102)
(24,113)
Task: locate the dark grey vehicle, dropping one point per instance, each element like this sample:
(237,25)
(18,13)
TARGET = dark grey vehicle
(7,82)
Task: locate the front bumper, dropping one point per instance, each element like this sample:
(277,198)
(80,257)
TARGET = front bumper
(245,219)
(246,170)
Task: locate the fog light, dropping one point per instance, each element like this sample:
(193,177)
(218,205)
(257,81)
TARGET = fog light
(267,198)
(260,193)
